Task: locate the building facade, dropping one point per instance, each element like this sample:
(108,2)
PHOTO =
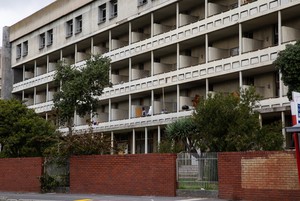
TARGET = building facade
(165,56)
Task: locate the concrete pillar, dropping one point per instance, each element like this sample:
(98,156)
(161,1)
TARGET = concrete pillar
(133,141)
(279,28)
(112,142)
(7,73)
(240,39)
(283,128)
(146,140)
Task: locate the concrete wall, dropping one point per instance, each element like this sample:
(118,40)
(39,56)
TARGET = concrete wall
(20,174)
(151,174)
(258,176)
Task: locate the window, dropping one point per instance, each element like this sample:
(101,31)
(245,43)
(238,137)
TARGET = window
(78,23)
(114,8)
(69,28)
(102,13)
(49,37)
(18,53)
(142,2)
(42,41)
(25,48)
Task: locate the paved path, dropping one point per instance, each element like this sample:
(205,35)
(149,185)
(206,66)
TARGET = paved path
(92,197)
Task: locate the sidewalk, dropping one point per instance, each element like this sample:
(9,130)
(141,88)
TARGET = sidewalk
(7,196)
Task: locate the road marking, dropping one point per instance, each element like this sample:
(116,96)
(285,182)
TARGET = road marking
(193,199)
(84,200)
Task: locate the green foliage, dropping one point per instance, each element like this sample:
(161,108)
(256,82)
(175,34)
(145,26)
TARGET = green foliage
(22,132)
(83,144)
(288,63)
(80,88)
(270,137)
(184,131)
(170,146)
(227,122)
(48,183)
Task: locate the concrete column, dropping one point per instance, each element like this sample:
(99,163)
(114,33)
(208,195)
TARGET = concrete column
(177,15)
(34,69)
(283,128)
(76,54)
(129,33)
(129,106)
(260,119)
(152,63)
(133,141)
(152,24)
(241,79)
(178,56)
(92,45)
(47,92)
(7,72)
(109,110)
(281,85)
(152,101)
(109,40)
(146,140)
(206,8)
(177,97)
(112,142)
(206,87)
(47,65)
(279,28)
(130,71)
(158,134)
(34,95)
(206,48)
(240,38)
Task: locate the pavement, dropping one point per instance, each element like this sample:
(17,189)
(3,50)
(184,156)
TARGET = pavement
(8,196)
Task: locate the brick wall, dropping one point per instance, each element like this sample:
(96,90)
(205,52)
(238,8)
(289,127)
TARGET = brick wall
(140,174)
(258,176)
(20,174)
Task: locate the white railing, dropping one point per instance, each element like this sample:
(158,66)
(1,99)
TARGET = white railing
(154,120)
(240,14)
(229,65)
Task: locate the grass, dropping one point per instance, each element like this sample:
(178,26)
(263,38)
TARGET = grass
(194,184)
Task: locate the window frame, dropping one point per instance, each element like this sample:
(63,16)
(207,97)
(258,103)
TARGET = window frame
(49,36)
(18,51)
(78,24)
(42,40)
(69,28)
(113,9)
(25,48)
(102,13)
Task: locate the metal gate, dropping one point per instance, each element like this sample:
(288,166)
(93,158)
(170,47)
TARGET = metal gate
(197,171)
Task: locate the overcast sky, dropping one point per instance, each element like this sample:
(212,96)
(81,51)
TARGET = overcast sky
(12,11)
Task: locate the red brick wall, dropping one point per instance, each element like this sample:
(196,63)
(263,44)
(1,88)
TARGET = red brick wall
(20,174)
(258,176)
(140,174)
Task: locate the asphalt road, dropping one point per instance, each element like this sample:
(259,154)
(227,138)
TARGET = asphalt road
(77,197)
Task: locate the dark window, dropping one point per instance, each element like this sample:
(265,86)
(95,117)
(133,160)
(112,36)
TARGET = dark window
(42,41)
(18,51)
(69,28)
(78,21)
(102,13)
(49,37)
(25,48)
(114,8)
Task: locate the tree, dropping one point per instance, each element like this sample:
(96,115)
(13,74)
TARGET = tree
(22,132)
(226,123)
(80,88)
(230,123)
(288,63)
(183,131)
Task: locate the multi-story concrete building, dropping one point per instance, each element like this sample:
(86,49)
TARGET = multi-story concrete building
(0,69)
(164,55)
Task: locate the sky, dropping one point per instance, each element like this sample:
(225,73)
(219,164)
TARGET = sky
(12,11)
